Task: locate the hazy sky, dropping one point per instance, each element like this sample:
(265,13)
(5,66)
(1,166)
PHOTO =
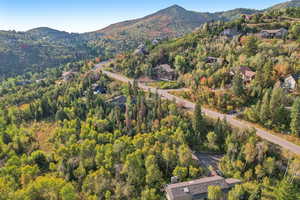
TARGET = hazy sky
(90,15)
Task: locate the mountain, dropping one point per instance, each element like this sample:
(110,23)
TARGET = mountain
(287,4)
(235,13)
(39,48)
(43,47)
(170,22)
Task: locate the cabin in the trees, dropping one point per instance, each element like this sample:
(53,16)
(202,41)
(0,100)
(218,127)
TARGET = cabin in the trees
(155,42)
(165,72)
(198,189)
(291,82)
(98,89)
(21,83)
(247,74)
(140,50)
(277,33)
(211,59)
(67,76)
(230,32)
(145,79)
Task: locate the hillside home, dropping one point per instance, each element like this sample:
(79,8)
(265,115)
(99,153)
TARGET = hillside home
(145,79)
(291,82)
(140,50)
(22,83)
(210,59)
(165,72)
(230,32)
(67,76)
(155,42)
(198,189)
(277,33)
(98,89)
(247,74)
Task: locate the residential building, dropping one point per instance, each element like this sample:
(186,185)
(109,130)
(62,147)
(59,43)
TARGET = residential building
(247,74)
(210,59)
(277,33)
(198,189)
(291,82)
(165,72)
(66,76)
(230,32)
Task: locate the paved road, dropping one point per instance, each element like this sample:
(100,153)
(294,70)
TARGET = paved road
(213,114)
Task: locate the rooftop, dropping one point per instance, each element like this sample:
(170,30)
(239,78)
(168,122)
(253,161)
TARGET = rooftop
(165,67)
(198,186)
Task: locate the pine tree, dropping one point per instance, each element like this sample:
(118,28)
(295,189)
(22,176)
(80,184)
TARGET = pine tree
(276,107)
(238,85)
(264,110)
(198,122)
(295,117)
(286,190)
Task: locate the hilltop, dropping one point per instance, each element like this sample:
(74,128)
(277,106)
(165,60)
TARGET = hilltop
(287,4)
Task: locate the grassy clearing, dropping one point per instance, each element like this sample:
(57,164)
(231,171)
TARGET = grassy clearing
(43,131)
(166,84)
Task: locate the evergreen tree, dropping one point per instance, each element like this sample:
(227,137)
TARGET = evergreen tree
(295,117)
(264,113)
(198,123)
(286,190)
(238,84)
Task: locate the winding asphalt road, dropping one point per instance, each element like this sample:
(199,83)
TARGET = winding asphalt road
(213,114)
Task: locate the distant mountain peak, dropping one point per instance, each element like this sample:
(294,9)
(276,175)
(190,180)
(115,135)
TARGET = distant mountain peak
(172,9)
(175,6)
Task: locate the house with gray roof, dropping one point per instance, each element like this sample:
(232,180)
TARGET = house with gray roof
(198,189)
(276,33)
(291,82)
(165,72)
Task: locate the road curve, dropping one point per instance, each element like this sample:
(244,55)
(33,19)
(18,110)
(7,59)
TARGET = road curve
(213,114)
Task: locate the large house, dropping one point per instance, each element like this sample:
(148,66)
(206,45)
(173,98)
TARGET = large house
(291,82)
(67,76)
(230,32)
(277,33)
(198,189)
(247,74)
(140,50)
(165,72)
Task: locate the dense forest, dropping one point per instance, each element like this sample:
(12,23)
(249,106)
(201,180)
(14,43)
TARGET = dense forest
(62,140)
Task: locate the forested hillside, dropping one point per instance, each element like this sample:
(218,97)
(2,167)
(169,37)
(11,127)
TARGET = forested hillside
(41,48)
(38,49)
(236,67)
(67,139)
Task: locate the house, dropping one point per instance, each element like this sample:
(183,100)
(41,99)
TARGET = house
(22,83)
(198,189)
(145,79)
(210,59)
(118,100)
(140,50)
(155,42)
(67,76)
(277,33)
(248,17)
(247,74)
(165,72)
(291,82)
(97,89)
(230,32)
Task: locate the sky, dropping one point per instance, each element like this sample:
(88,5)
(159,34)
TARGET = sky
(90,15)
